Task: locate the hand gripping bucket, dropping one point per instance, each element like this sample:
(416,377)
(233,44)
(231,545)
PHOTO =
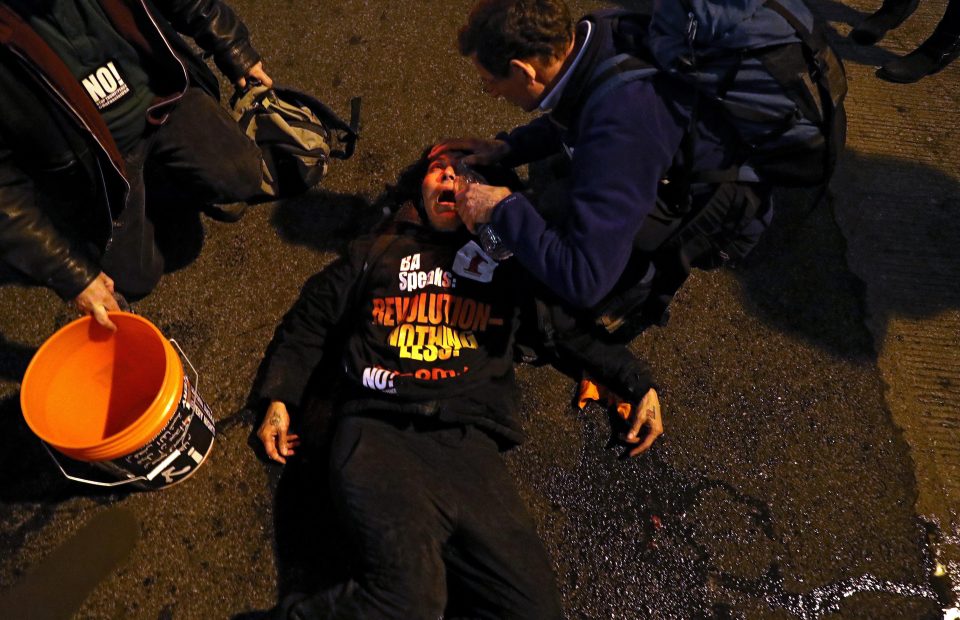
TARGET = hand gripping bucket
(119,401)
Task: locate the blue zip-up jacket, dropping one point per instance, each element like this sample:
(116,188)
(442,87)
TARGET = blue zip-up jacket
(621,142)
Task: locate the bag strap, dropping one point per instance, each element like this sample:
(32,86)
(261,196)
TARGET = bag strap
(617,70)
(346,133)
(823,60)
(256,106)
(827,74)
(631,61)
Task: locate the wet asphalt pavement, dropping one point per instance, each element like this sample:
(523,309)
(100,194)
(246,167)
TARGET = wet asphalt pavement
(781,489)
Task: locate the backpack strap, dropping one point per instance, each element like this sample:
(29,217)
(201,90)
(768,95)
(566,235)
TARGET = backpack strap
(631,62)
(812,38)
(830,79)
(346,134)
(614,72)
(828,71)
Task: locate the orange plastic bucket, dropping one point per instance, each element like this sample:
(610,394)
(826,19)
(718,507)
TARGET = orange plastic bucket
(118,400)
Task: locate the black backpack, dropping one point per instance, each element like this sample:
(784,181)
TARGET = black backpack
(765,63)
(767,66)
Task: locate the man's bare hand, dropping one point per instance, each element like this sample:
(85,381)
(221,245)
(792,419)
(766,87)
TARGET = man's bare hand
(97,300)
(646,414)
(475,203)
(256,72)
(278,442)
(474,151)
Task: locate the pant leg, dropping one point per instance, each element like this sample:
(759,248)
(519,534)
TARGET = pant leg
(495,554)
(944,39)
(132,257)
(387,500)
(204,152)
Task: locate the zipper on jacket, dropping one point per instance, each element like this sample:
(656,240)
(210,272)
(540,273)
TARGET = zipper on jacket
(66,104)
(183,68)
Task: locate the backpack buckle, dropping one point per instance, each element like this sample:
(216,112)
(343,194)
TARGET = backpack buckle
(689,61)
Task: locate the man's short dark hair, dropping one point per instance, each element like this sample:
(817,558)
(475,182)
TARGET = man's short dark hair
(498,31)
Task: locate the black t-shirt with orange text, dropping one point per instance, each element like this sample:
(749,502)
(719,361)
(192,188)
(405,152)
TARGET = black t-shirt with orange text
(426,328)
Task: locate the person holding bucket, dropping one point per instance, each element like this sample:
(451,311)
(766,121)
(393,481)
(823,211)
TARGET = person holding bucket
(426,323)
(94,94)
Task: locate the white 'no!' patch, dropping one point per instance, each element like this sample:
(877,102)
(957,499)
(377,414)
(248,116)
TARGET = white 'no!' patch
(105,85)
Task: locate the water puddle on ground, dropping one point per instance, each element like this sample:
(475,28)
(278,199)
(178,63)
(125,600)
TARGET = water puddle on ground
(811,605)
(823,600)
(678,544)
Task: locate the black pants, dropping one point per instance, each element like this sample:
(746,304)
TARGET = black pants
(202,151)
(431,508)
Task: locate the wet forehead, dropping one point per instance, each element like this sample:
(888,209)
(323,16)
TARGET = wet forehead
(443,160)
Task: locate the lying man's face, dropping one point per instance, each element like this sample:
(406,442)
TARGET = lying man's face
(438,194)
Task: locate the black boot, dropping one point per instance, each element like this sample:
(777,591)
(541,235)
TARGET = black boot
(890,15)
(934,54)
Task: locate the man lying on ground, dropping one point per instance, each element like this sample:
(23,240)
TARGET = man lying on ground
(428,323)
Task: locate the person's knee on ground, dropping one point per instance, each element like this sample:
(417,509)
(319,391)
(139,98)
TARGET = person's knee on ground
(355,600)
(411,589)
(534,595)
(204,153)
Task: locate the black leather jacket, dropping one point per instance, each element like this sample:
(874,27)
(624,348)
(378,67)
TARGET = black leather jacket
(51,135)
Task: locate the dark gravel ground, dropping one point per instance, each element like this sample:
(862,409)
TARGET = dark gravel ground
(781,488)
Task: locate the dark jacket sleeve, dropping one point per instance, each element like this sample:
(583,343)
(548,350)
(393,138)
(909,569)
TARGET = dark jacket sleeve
(30,242)
(549,326)
(625,143)
(298,344)
(537,139)
(612,365)
(217,30)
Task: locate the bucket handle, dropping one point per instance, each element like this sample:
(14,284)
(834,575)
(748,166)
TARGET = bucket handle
(196,375)
(85,480)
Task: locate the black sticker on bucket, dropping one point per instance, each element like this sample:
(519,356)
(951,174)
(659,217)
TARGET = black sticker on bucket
(177,451)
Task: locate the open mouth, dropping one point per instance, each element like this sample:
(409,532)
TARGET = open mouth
(447,198)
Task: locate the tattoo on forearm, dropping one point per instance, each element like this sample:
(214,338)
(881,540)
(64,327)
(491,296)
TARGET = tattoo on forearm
(275,420)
